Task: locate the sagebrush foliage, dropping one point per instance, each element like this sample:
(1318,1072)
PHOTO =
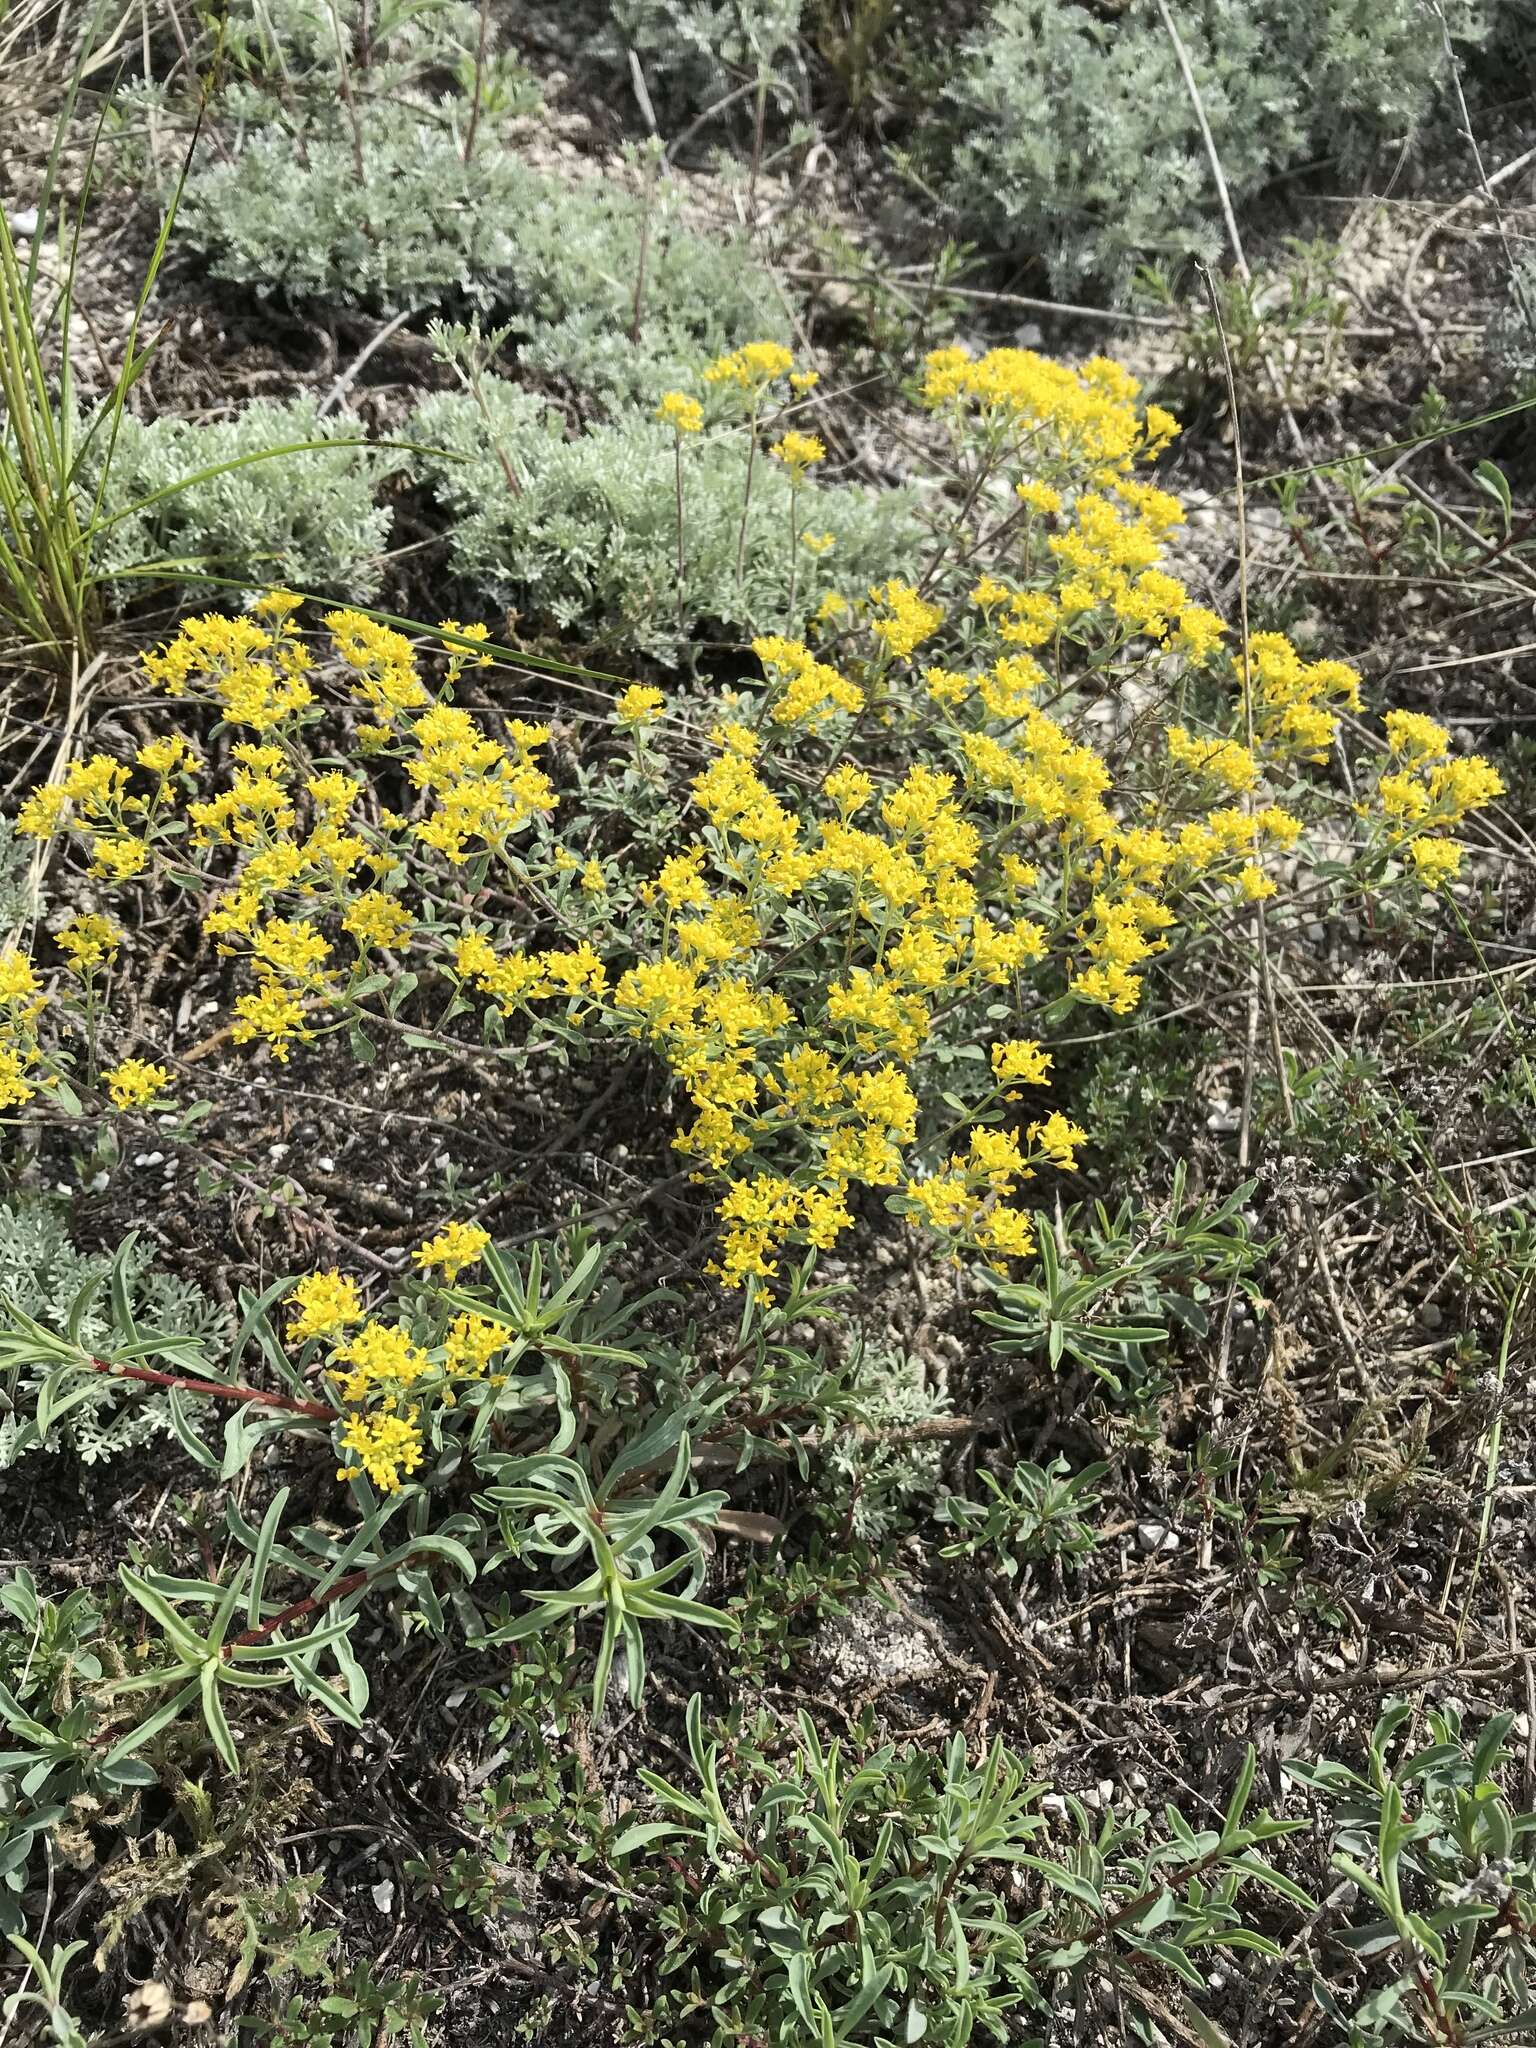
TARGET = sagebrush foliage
(1117,176)
(611,290)
(588,538)
(695,52)
(293,498)
(44,1275)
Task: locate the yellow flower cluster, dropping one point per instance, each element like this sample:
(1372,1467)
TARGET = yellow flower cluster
(88,941)
(1424,792)
(21,1004)
(1292,698)
(380,1373)
(456,1246)
(640,705)
(681,412)
(1065,418)
(752,368)
(798,452)
(926,827)
(256,677)
(134,1083)
(804,691)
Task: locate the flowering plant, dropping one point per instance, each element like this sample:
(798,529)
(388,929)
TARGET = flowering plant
(978,796)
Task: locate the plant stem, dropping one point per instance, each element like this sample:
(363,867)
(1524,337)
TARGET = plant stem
(213,1390)
(677,458)
(311,1604)
(474,105)
(746,500)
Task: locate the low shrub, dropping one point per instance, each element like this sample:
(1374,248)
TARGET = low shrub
(841,934)
(610,290)
(252,500)
(1118,175)
(588,538)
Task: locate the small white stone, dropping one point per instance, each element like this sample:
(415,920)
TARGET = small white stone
(149,1159)
(1107,1791)
(23,222)
(1153,1537)
(383,1895)
(326,1163)
(278,1150)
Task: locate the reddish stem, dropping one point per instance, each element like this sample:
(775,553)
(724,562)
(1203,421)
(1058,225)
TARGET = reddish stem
(311,1604)
(215,1390)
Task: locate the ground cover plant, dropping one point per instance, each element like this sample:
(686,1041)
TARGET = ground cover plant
(766,1255)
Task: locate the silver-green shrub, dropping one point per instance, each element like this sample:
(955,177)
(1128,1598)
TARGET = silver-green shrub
(693,52)
(588,541)
(1078,142)
(608,289)
(46,1276)
(230,499)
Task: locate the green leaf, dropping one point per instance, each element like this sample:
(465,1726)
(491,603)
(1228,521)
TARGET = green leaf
(186,1435)
(261,1558)
(162,1717)
(213,1714)
(182,1638)
(638,1836)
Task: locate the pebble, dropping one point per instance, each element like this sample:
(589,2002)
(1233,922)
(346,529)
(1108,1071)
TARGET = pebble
(383,1895)
(1153,1537)
(23,222)
(149,1159)
(326,1163)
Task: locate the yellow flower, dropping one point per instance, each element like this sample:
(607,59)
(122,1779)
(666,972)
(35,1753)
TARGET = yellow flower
(456,1246)
(89,940)
(383,1360)
(165,757)
(14,1086)
(17,978)
(137,1082)
(1021,1059)
(640,705)
(327,1303)
(274,1013)
(798,452)
(385,1446)
(39,815)
(679,411)
(1435,861)
(912,618)
(472,1342)
(376,919)
(751,367)
(1253,884)
(118,860)
(849,788)
(1037,496)
(1058,1139)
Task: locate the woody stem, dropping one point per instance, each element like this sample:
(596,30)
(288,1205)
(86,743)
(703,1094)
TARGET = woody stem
(213,1390)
